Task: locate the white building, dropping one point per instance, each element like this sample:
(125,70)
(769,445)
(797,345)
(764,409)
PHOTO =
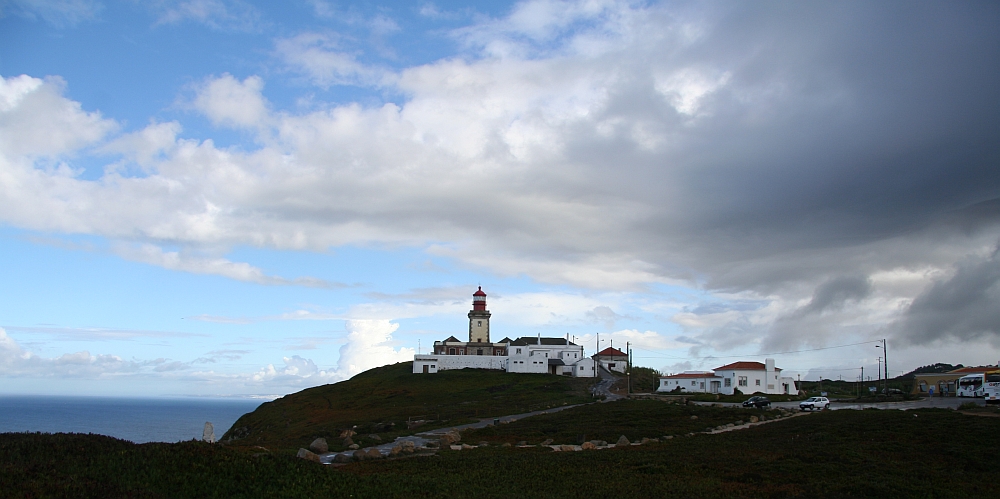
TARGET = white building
(523,355)
(747,377)
(691,381)
(612,359)
(549,355)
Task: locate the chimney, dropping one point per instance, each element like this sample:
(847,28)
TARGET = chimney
(769,365)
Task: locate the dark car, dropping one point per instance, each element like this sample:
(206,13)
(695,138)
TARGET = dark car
(758,402)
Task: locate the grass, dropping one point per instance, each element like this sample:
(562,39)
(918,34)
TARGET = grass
(884,454)
(385,401)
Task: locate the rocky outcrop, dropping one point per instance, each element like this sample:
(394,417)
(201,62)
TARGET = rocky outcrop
(307,455)
(622,441)
(373,453)
(319,446)
(208,434)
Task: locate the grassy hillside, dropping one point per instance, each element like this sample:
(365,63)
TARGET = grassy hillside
(383,400)
(884,454)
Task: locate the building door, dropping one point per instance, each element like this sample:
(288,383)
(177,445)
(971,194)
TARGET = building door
(425,369)
(716,386)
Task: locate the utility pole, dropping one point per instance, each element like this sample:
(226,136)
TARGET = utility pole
(885,362)
(628,369)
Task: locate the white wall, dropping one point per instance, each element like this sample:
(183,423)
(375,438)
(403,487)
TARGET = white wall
(447,362)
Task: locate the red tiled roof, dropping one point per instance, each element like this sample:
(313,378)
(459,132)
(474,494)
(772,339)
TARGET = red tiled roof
(612,351)
(744,366)
(690,375)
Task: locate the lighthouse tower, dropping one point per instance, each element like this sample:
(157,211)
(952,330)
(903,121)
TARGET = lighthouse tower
(479,319)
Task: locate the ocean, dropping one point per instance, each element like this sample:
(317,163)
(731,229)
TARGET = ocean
(139,420)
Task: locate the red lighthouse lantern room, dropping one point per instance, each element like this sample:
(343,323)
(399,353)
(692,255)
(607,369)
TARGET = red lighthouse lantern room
(479,300)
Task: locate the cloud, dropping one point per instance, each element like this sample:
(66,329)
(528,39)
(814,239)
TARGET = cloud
(223,15)
(962,307)
(229,102)
(323,60)
(99,334)
(767,153)
(59,13)
(35,120)
(240,271)
(17,362)
(369,344)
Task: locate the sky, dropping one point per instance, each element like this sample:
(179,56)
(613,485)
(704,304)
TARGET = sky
(240,198)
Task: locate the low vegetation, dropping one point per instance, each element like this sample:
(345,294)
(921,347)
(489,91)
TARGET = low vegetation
(390,401)
(884,454)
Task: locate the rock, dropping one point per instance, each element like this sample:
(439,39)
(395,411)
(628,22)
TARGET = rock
(668,437)
(319,446)
(484,444)
(739,423)
(450,438)
(348,442)
(409,446)
(730,425)
(547,441)
(466,447)
(432,445)
(505,444)
(354,446)
(375,437)
(342,458)
(567,448)
(396,450)
(622,441)
(754,419)
(307,455)
(588,446)
(373,453)
(359,455)
(694,417)
(455,447)
(347,434)
(208,434)
(522,443)
(645,440)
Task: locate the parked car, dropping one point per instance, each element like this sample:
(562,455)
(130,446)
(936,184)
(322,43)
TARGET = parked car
(757,401)
(813,403)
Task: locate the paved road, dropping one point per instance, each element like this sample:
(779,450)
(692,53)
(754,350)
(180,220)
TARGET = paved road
(935,402)
(603,387)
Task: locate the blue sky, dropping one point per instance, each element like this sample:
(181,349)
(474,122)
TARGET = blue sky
(216,197)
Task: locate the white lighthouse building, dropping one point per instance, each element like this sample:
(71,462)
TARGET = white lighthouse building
(524,355)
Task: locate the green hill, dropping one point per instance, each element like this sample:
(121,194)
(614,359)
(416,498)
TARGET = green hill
(391,401)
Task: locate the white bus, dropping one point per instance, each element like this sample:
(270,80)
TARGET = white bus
(991,390)
(971,385)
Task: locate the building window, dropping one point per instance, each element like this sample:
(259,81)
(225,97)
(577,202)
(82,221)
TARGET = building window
(758,382)
(518,350)
(742,381)
(479,323)
(729,381)
(693,382)
(479,352)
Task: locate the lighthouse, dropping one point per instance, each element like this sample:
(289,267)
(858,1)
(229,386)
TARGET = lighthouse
(479,318)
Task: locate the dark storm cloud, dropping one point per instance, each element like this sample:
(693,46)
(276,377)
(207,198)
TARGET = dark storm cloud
(964,307)
(833,293)
(841,125)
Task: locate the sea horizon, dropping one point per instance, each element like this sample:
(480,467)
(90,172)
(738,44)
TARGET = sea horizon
(136,419)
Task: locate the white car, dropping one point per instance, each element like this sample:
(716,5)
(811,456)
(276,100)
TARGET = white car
(812,403)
